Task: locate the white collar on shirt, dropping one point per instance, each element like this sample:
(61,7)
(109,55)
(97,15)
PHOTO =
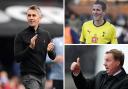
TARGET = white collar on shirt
(117,72)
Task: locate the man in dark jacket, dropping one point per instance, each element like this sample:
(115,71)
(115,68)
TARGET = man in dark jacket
(30,49)
(114,77)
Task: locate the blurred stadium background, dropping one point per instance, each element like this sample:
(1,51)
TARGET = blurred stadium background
(13,20)
(91,60)
(79,11)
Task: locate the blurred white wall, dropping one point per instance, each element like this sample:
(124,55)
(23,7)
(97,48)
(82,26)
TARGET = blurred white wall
(101,52)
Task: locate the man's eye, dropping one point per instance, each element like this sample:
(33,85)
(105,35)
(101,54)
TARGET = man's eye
(29,15)
(98,9)
(93,9)
(33,15)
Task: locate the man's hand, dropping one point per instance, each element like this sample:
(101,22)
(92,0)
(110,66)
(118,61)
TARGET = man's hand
(33,42)
(50,46)
(75,66)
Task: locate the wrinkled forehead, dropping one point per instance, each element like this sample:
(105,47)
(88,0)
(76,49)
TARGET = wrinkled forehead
(108,56)
(97,6)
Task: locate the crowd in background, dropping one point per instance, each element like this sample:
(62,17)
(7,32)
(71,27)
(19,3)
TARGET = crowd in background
(12,82)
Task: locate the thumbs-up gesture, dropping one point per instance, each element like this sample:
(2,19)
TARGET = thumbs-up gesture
(75,66)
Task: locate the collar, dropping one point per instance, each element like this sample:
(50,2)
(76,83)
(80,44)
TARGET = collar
(117,72)
(121,74)
(33,30)
(118,75)
(101,24)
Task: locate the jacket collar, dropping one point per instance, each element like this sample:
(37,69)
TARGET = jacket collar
(33,30)
(117,72)
(121,75)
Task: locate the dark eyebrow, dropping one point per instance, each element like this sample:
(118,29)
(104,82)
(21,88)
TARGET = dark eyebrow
(31,14)
(28,14)
(95,9)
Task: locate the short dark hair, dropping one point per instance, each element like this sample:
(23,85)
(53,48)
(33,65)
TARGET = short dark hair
(103,5)
(118,55)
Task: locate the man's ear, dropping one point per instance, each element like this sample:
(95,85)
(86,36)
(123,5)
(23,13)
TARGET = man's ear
(104,13)
(118,63)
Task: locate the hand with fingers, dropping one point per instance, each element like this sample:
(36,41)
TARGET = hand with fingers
(50,47)
(75,66)
(33,42)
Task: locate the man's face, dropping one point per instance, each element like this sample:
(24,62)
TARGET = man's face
(111,65)
(97,12)
(33,18)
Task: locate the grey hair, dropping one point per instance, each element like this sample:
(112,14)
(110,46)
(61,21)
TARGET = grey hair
(35,7)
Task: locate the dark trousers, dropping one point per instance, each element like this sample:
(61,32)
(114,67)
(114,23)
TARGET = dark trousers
(57,84)
(33,82)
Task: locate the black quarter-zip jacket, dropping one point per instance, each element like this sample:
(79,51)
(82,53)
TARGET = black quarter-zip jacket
(32,61)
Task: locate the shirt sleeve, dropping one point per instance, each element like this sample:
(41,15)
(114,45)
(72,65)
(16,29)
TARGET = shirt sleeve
(114,38)
(83,34)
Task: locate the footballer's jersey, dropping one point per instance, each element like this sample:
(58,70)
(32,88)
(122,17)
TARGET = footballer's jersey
(104,34)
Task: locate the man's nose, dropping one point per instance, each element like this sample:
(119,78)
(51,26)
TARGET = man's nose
(95,12)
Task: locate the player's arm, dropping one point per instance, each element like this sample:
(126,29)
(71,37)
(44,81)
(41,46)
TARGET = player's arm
(82,40)
(114,38)
(82,36)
